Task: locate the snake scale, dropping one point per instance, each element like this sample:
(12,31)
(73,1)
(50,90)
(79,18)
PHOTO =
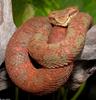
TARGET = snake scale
(32,38)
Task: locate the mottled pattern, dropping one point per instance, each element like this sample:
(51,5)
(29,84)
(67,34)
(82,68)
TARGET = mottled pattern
(53,50)
(64,52)
(21,70)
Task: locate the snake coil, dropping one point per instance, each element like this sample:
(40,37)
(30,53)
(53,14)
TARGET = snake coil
(18,64)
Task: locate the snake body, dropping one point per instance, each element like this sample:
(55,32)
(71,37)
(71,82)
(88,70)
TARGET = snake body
(63,52)
(21,69)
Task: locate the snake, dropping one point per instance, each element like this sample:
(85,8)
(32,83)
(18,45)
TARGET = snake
(61,54)
(36,77)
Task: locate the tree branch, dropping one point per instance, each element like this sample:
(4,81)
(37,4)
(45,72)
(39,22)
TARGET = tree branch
(7,28)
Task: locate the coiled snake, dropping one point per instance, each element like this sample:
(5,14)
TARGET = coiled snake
(59,50)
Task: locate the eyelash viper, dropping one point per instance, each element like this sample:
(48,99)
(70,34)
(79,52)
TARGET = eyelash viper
(19,66)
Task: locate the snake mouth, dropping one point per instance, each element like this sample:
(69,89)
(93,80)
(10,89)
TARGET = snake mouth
(55,22)
(63,23)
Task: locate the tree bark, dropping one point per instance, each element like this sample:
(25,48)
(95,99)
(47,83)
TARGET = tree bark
(7,28)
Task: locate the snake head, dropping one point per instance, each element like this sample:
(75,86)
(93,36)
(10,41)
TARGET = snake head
(62,17)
